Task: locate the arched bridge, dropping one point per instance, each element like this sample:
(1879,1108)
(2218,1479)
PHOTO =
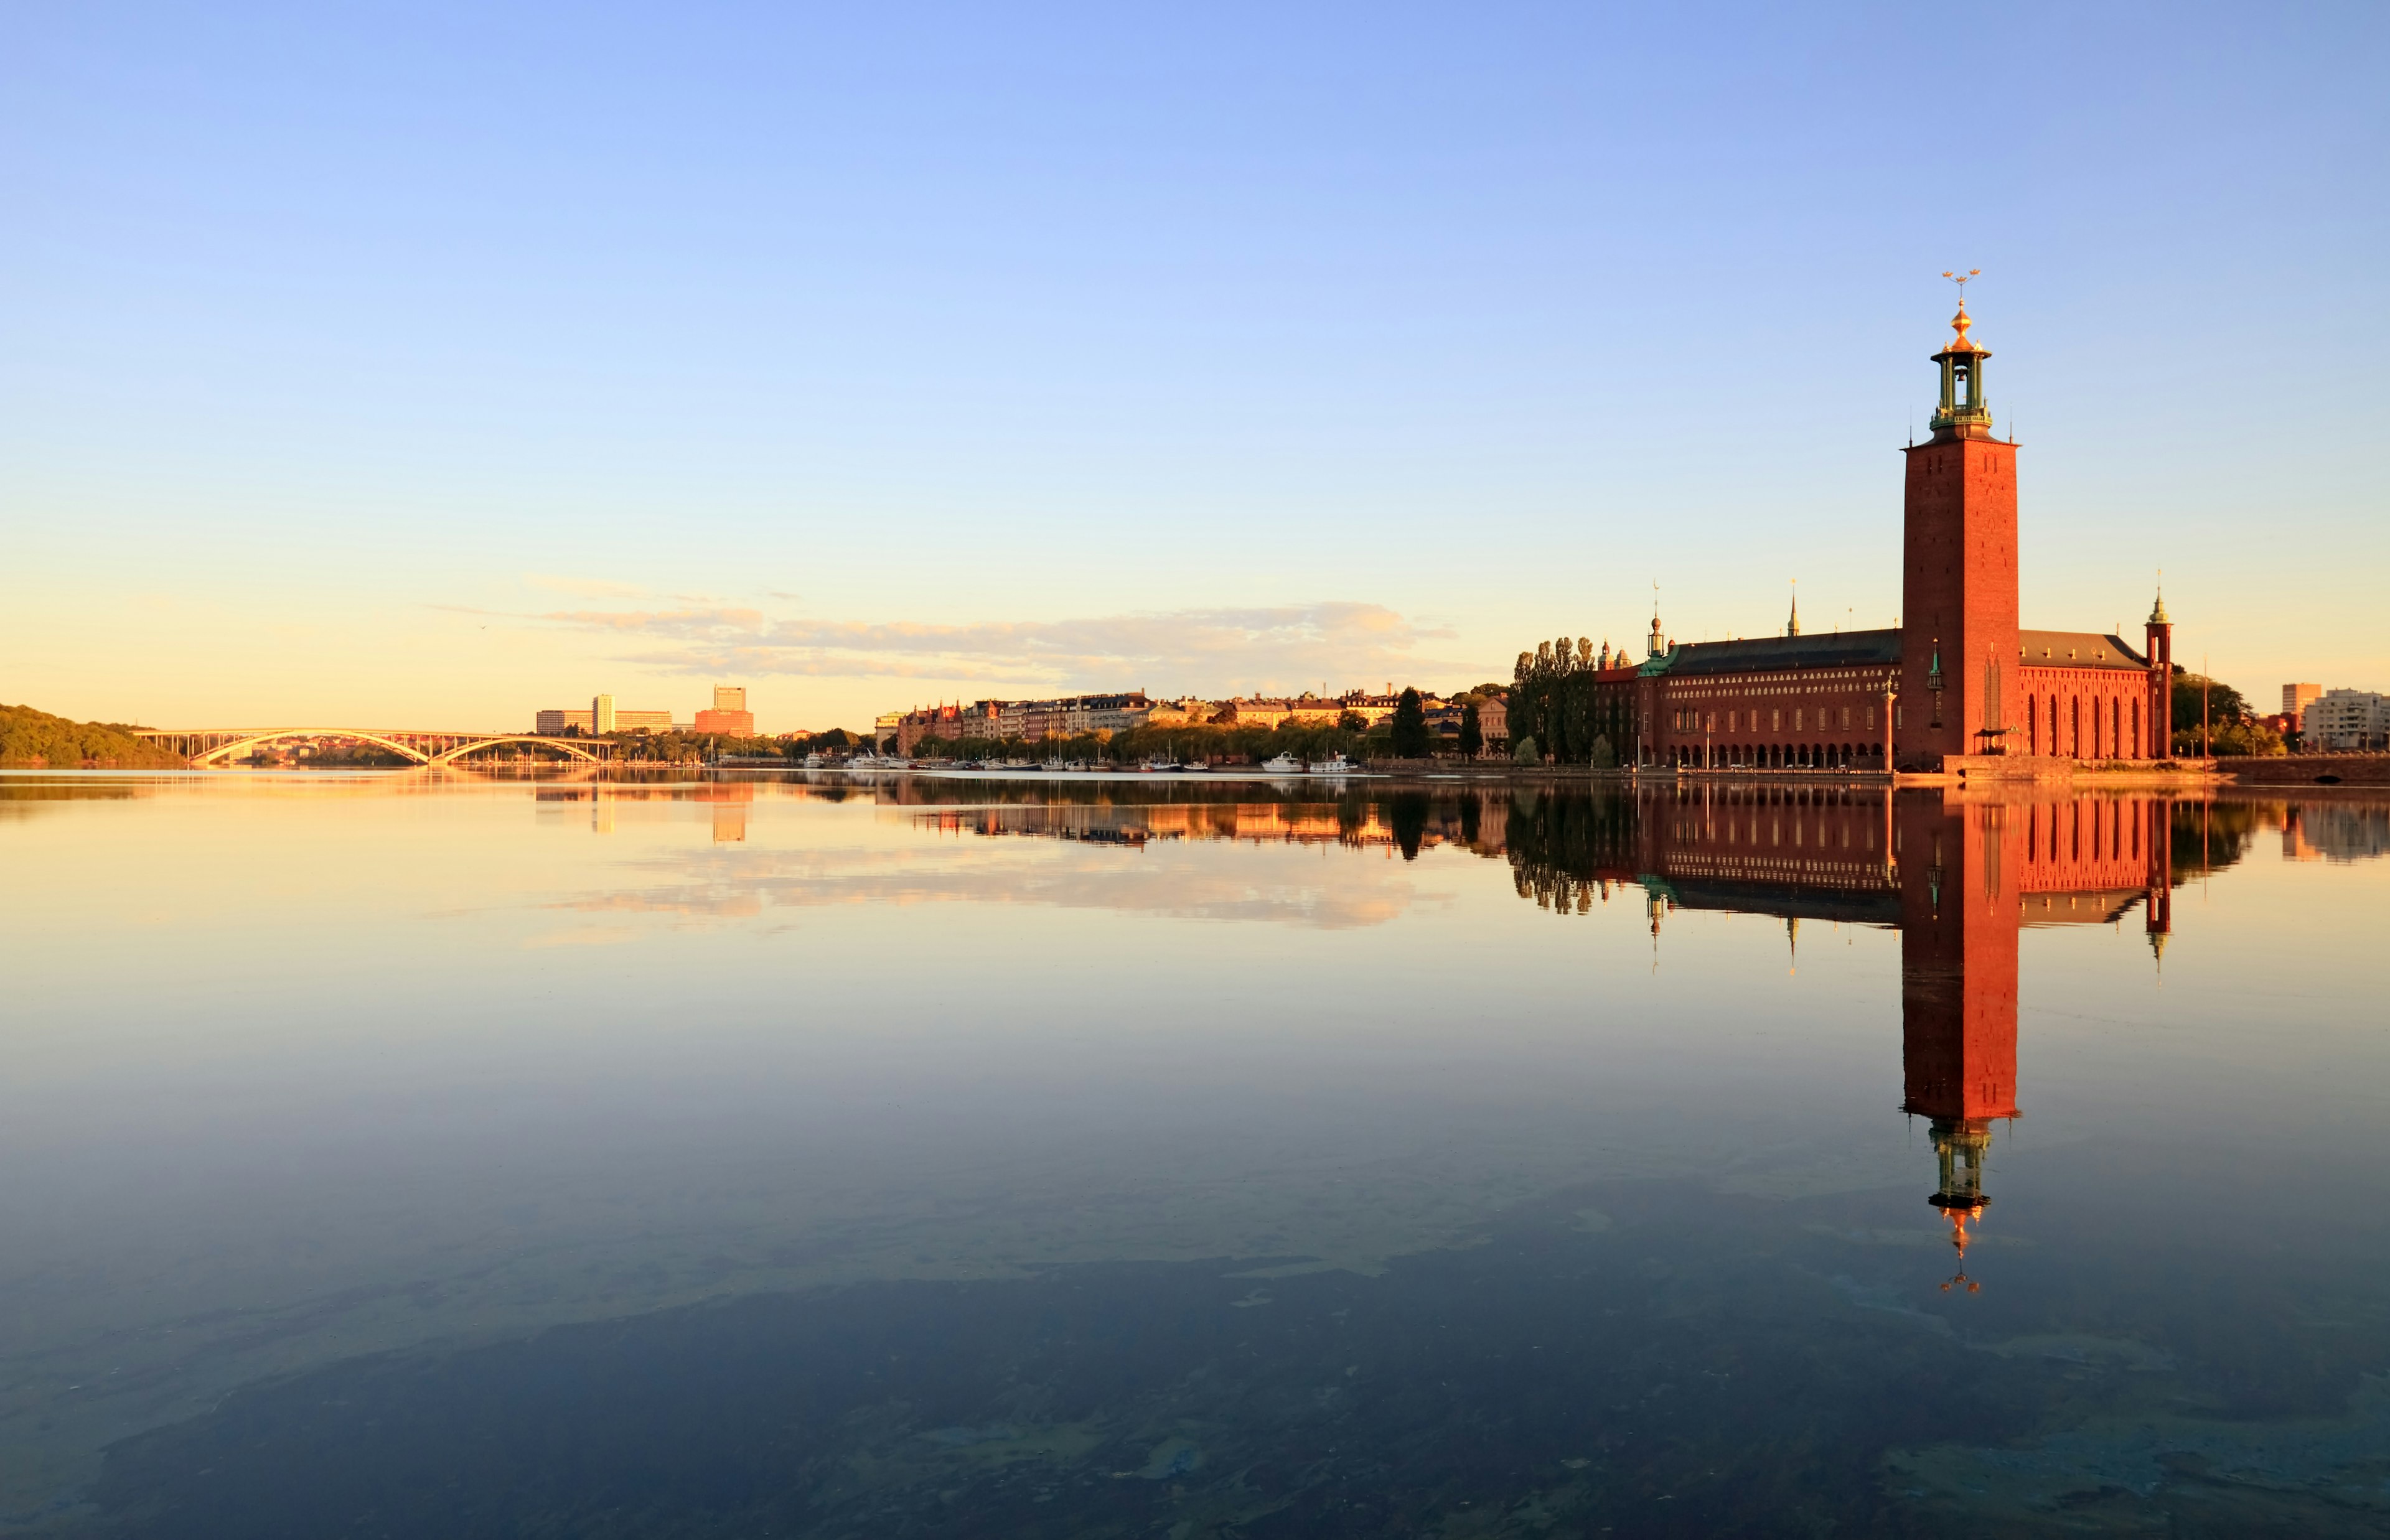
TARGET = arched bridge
(204,746)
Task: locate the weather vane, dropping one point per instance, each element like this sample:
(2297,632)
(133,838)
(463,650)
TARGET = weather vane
(1960,280)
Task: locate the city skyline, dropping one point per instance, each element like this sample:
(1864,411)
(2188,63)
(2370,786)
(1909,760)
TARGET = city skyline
(393,373)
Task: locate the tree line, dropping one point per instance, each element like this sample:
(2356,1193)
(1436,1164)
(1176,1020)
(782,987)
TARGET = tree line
(33,740)
(1558,714)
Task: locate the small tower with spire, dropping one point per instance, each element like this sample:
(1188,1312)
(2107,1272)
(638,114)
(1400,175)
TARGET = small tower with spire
(2159,630)
(1792,622)
(1659,639)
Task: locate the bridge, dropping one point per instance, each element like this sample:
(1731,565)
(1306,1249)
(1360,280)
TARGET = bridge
(208,746)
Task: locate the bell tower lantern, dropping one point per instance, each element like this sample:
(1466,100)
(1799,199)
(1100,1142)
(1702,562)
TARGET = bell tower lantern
(1966,411)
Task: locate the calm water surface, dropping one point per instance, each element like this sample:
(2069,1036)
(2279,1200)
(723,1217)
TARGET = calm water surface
(411,1156)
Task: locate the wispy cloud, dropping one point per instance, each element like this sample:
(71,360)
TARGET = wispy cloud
(583,587)
(1211,650)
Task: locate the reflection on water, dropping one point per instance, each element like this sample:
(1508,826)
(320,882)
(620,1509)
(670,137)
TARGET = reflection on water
(781,1156)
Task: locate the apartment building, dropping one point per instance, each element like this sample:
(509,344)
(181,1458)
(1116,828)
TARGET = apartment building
(2347,719)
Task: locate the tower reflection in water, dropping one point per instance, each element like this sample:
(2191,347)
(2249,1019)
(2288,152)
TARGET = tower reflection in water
(1958,874)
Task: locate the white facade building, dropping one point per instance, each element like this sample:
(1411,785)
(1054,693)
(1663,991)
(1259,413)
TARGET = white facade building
(2348,719)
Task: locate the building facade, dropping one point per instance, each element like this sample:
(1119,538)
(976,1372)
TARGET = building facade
(1028,720)
(2346,720)
(729,715)
(1959,685)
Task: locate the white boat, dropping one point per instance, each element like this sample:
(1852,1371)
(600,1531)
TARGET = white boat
(1284,765)
(1335,764)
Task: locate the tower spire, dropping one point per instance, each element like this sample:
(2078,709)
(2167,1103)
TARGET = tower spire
(1965,412)
(1792,626)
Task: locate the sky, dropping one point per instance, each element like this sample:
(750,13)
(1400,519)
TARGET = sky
(427,366)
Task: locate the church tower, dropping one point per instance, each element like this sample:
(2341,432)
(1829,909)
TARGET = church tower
(1958,572)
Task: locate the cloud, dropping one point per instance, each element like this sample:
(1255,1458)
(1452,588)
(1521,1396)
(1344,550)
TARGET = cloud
(587,588)
(1217,650)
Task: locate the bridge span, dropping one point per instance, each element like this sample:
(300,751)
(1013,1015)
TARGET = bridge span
(201,746)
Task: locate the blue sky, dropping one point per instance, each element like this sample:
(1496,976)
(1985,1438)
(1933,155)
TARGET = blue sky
(436,365)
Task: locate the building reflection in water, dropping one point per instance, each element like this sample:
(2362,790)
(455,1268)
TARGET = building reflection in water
(1959,875)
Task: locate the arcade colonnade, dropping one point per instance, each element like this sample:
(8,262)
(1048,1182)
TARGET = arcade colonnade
(1776,756)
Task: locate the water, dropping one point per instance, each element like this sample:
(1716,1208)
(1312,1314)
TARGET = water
(400,1155)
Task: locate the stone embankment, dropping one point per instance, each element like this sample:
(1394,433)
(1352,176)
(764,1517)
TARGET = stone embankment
(2309,770)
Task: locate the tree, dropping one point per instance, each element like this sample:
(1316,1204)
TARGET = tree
(1410,725)
(1472,735)
(2223,702)
(1526,753)
(1352,722)
(34,738)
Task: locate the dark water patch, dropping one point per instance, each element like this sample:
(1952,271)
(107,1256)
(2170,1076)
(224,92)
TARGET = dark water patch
(1676,1363)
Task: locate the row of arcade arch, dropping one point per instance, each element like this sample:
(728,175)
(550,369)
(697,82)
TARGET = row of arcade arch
(1778,756)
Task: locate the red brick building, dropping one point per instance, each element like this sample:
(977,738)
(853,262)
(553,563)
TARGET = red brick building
(1959,686)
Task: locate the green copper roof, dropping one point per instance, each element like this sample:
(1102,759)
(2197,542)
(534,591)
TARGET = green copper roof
(1835,649)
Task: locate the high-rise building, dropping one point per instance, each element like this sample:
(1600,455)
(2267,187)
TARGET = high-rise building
(2295,701)
(555,722)
(730,715)
(602,713)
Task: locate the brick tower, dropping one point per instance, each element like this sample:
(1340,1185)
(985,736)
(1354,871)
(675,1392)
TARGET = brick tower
(2160,635)
(1959,576)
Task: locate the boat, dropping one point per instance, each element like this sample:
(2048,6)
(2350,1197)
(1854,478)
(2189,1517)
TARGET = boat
(1284,765)
(1335,764)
